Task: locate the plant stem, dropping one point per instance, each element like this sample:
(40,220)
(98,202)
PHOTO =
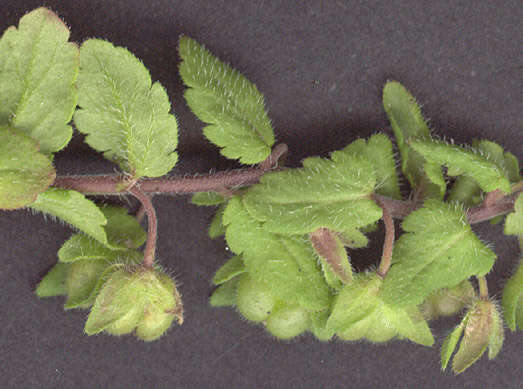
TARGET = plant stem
(152,226)
(388,243)
(483,288)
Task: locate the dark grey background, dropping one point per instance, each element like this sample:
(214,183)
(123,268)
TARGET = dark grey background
(321,66)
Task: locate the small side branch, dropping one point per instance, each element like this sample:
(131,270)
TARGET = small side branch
(152,225)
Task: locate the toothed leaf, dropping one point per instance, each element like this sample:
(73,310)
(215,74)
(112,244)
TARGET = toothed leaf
(378,150)
(286,264)
(335,194)
(38,68)
(123,113)
(53,283)
(24,172)
(407,123)
(73,208)
(231,105)
(461,161)
(438,250)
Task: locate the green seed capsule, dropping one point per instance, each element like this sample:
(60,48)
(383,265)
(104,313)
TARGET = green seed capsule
(288,322)
(254,301)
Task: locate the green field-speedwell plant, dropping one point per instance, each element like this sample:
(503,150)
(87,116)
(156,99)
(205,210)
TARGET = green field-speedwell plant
(292,231)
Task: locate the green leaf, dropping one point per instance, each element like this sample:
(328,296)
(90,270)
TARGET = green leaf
(53,283)
(81,246)
(123,230)
(438,250)
(38,68)
(407,122)
(460,161)
(216,227)
(231,105)
(353,238)
(24,172)
(73,208)
(513,300)
(514,220)
(354,302)
(207,198)
(286,264)
(82,277)
(232,268)
(450,343)
(124,115)
(335,194)
(378,150)
(409,323)
(225,294)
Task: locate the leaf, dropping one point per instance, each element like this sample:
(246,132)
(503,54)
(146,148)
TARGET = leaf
(335,194)
(319,325)
(81,246)
(407,122)
(73,208)
(53,283)
(285,263)
(123,230)
(513,299)
(514,220)
(450,343)
(24,172)
(38,68)
(207,198)
(460,161)
(409,323)
(225,294)
(354,302)
(438,250)
(353,238)
(378,150)
(124,115)
(82,277)
(232,268)
(216,227)
(231,105)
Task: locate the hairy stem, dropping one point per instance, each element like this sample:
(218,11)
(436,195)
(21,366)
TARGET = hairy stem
(152,226)
(388,243)
(483,288)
